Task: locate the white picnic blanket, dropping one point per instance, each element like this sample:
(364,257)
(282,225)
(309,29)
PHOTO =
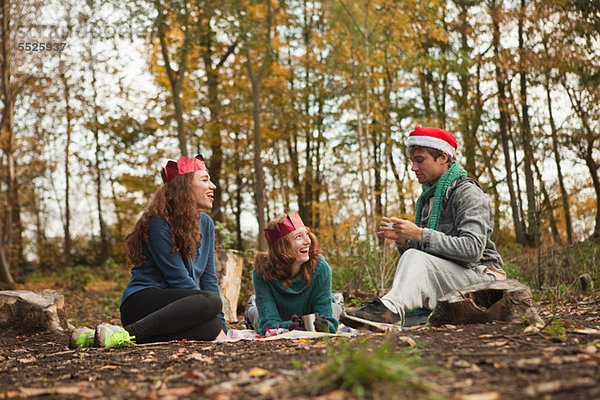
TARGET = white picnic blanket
(248,334)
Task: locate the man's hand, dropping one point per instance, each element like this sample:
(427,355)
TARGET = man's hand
(321,324)
(408,230)
(296,324)
(399,230)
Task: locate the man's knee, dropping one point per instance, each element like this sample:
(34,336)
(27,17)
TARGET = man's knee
(411,259)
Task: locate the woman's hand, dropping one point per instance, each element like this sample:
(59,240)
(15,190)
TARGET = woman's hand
(296,324)
(321,324)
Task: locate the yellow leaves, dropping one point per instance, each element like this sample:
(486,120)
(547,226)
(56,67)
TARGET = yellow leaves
(257,11)
(478,396)
(109,367)
(256,371)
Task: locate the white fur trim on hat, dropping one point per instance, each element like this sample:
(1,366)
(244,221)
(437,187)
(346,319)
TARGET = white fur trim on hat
(428,141)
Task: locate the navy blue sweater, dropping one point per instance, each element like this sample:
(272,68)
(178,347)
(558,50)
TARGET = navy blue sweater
(161,269)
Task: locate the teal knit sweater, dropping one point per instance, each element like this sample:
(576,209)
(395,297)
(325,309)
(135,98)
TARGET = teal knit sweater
(277,303)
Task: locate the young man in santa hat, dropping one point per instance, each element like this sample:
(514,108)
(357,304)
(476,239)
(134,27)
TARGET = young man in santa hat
(448,246)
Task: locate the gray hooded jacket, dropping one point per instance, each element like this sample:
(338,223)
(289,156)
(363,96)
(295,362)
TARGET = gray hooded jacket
(464,229)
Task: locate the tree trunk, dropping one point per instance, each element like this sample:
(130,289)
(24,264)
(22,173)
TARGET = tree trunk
(557,159)
(67,217)
(587,153)
(238,213)
(259,184)
(7,131)
(213,128)
(464,106)
(548,206)
(503,125)
(256,82)
(176,78)
(6,279)
(104,246)
(593,168)
(526,139)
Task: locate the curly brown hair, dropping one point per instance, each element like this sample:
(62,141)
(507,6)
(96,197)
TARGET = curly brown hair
(174,203)
(277,263)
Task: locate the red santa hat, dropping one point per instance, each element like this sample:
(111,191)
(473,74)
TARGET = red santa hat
(183,166)
(435,138)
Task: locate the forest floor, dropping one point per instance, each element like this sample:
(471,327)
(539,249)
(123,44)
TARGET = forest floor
(480,361)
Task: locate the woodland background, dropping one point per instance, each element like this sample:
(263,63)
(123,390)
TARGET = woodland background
(297,105)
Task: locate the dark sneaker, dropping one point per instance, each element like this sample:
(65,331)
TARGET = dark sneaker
(376,311)
(416,317)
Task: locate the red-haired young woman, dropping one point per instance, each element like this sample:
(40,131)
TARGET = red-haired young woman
(291,280)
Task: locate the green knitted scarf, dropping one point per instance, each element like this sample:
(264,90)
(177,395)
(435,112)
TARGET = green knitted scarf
(438,190)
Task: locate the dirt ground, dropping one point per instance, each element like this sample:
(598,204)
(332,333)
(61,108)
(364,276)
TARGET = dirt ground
(481,361)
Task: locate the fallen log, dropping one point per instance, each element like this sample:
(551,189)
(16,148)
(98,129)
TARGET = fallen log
(503,300)
(24,310)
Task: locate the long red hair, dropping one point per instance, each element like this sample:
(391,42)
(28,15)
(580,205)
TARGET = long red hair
(175,204)
(277,263)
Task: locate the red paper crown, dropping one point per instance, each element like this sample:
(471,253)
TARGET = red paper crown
(283,228)
(183,166)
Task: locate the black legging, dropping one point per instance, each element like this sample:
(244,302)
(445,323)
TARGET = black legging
(160,315)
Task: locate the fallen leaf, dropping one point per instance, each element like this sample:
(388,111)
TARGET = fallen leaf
(199,357)
(179,391)
(77,390)
(256,371)
(463,384)
(407,340)
(194,374)
(478,396)
(27,360)
(531,329)
(109,367)
(498,343)
(529,362)
(559,360)
(462,364)
(590,349)
(587,331)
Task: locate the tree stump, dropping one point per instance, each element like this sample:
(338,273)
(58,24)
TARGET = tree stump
(28,311)
(229,273)
(504,300)
(586,282)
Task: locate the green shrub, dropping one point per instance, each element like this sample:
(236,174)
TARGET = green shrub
(77,277)
(557,267)
(369,370)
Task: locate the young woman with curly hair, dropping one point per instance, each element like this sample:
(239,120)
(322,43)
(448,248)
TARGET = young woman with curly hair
(173,292)
(291,280)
